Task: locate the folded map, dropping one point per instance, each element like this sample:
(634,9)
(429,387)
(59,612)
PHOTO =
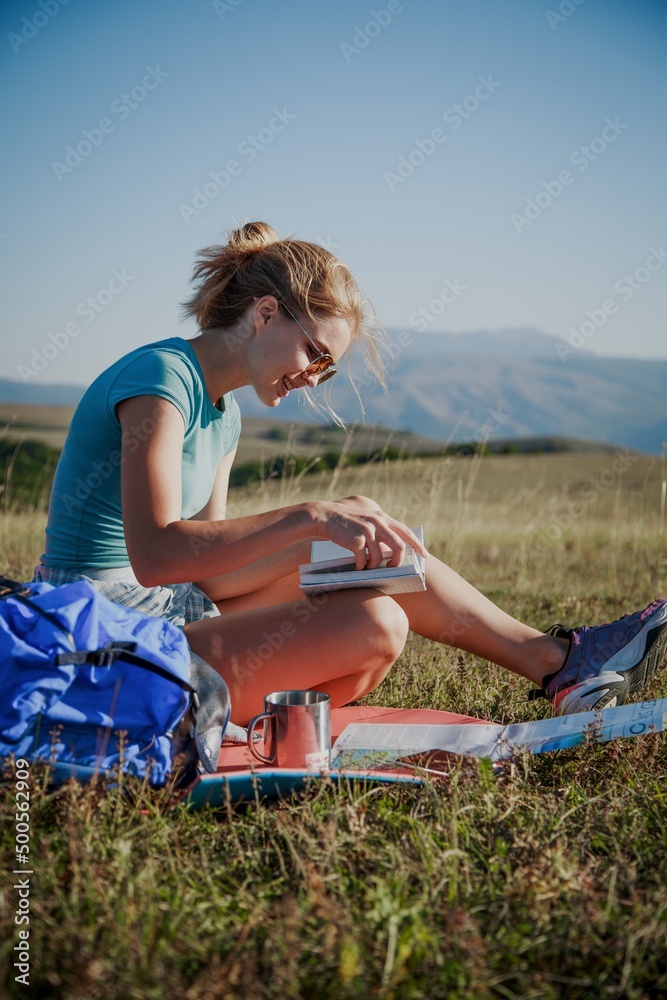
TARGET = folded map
(386,743)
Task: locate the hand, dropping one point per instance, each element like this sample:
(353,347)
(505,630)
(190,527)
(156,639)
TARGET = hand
(358,524)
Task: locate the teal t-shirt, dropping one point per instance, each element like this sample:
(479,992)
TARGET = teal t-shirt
(85,523)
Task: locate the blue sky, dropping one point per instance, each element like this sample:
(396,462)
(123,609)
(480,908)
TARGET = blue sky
(334,96)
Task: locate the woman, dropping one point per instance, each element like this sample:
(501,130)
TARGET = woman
(138,507)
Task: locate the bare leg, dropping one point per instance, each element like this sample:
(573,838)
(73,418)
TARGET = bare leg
(450,611)
(453,612)
(343,644)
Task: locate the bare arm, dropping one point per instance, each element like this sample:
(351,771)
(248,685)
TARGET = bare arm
(264,572)
(162,547)
(165,549)
(254,575)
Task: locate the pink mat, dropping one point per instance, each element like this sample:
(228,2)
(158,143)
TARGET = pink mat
(240,777)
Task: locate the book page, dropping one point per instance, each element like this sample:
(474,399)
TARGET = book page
(328,555)
(339,574)
(322,582)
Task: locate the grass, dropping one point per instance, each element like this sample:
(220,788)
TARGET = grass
(547,882)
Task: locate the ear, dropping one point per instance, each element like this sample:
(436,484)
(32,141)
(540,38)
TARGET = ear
(266,309)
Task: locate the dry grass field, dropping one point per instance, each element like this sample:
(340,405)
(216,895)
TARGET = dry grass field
(546,882)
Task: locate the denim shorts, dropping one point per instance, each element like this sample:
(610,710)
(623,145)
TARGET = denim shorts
(179,603)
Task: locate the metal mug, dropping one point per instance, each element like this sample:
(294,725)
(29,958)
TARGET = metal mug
(299,723)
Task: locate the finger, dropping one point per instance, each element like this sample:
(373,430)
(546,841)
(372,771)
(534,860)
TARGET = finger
(399,536)
(391,545)
(381,518)
(386,551)
(357,546)
(398,548)
(375,555)
(409,536)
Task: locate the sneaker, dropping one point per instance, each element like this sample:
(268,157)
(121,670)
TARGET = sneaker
(605,664)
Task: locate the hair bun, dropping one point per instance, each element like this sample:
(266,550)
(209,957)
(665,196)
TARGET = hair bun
(253,236)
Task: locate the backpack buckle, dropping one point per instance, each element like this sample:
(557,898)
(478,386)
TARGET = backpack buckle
(8,587)
(102,657)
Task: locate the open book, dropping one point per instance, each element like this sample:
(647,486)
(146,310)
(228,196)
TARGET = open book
(332,567)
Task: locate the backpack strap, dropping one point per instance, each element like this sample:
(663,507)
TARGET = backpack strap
(10,588)
(113,651)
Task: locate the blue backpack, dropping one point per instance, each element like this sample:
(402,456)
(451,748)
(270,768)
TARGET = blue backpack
(90,684)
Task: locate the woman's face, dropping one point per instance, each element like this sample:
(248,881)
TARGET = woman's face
(282,350)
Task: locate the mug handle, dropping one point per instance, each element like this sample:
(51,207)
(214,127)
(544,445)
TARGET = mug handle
(251,730)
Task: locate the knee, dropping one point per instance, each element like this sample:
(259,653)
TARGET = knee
(388,629)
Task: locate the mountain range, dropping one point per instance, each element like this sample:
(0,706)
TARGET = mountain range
(508,384)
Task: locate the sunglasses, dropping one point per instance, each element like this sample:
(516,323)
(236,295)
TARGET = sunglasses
(323,365)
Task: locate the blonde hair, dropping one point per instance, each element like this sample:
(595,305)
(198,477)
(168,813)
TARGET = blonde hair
(304,276)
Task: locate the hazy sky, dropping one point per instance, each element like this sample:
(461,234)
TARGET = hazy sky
(514,150)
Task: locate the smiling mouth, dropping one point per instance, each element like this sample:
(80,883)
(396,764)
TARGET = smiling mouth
(287,384)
